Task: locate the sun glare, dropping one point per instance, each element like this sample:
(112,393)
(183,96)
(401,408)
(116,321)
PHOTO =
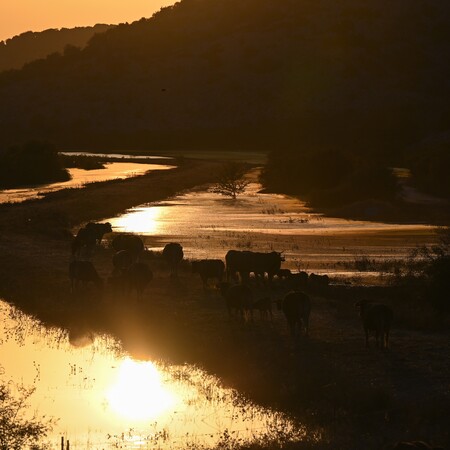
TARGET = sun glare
(138,393)
(140,220)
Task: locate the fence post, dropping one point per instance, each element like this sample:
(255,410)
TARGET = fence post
(62,442)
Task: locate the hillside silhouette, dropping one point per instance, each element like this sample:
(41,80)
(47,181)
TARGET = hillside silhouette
(367,79)
(29,46)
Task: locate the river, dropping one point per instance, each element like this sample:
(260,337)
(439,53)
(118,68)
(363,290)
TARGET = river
(81,177)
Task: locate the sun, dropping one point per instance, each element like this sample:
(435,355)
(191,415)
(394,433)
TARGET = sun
(138,393)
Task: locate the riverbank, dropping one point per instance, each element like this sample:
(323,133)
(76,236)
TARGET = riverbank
(359,398)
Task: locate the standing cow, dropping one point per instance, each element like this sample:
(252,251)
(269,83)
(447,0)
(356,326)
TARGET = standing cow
(87,237)
(296,306)
(238,299)
(209,268)
(132,243)
(83,272)
(173,254)
(246,262)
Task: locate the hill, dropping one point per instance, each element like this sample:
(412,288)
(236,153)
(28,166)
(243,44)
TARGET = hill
(365,76)
(29,46)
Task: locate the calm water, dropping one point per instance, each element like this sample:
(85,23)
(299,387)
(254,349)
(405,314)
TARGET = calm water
(81,177)
(104,398)
(208,225)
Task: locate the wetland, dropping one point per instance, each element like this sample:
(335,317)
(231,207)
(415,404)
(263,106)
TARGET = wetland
(332,392)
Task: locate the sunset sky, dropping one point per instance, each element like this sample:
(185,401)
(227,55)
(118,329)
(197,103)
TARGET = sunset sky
(18,16)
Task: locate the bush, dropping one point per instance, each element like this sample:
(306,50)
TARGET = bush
(17,432)
(429,273)
(32,163)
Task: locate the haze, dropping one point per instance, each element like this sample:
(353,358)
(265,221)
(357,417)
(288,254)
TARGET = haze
(18,16)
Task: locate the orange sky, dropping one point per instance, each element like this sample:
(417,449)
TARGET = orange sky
(17,16)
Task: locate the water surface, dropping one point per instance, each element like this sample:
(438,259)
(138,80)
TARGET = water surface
(208,225)
(104,398)
(81,177)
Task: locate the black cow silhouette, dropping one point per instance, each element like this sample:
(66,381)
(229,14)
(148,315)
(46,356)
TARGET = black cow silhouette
(173,254)
(83,272)
(87,237)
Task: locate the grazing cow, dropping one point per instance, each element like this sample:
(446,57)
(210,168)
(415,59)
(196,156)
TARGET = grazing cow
(245,262)
(138,276)
(296,306)
(84,272)
(298,281)
(264,305)
(122,260)
(415,445)
(130,242)
(173,254)
(318,282)
(209,268)
(284,273)
(238,298)
(376,317)
(88,236)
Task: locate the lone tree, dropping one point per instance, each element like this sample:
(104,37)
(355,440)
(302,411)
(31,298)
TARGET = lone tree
(231,180)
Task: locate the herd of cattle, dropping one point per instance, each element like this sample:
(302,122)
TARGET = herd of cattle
(131,273)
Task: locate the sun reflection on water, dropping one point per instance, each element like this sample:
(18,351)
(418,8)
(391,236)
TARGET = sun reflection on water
(138,393)
(139,220)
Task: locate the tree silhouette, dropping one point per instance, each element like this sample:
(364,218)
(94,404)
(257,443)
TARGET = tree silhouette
(231,180)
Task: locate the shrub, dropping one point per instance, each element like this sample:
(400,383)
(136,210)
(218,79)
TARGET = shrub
(32,163)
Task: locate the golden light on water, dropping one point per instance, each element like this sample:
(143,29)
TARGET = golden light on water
(140,220)
(138,393)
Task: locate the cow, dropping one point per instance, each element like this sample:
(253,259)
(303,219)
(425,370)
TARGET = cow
(98,230)
(298,281)
(296,306)
(87,237)
(376,317)
(138,276)
(209,268)
(84,272)
(246,262)
(173,254)
(284,274)
(130,242)
(264,306)
(318,283)
(122,260)
(238,299)
(238,262)
(269,263)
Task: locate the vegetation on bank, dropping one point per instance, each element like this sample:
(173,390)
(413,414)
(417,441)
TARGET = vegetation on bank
(346,184)
(32,163)
(16,431)
(82,162)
